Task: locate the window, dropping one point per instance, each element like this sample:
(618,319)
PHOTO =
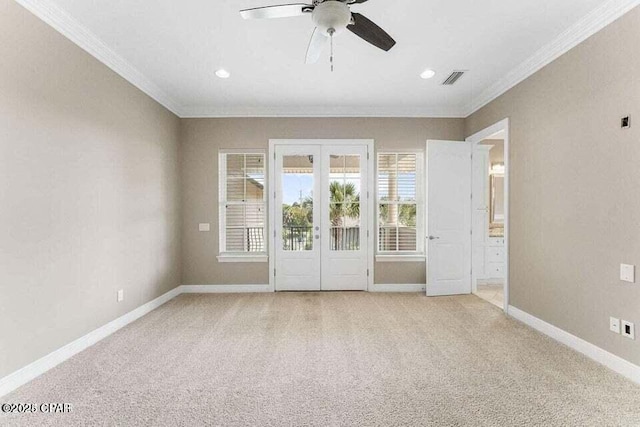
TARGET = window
(399,204)
(242,203)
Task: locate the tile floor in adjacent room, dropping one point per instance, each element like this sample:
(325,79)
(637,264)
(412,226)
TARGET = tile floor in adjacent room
(492,292)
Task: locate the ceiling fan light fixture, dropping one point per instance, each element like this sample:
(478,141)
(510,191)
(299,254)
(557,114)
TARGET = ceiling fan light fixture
(223,74)
(331,17)
(427,74)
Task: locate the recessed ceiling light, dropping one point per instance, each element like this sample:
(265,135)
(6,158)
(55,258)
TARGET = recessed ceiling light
(223,74)
(427,74)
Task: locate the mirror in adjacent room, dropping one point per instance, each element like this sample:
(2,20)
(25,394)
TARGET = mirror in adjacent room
(496,198)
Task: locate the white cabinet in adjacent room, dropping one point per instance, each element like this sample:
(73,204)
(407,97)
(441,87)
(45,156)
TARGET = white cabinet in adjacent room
(495,256)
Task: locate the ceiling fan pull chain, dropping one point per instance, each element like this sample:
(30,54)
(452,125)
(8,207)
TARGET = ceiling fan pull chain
(332,53)
(331,33)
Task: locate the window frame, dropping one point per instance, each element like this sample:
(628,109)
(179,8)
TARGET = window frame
(244,256)
(404,256)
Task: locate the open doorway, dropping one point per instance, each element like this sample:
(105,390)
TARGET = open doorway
(490,214)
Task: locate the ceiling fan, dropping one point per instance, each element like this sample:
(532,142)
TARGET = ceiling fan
(330,17)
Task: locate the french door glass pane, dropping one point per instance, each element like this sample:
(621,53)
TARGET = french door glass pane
(344,202)
(297,203)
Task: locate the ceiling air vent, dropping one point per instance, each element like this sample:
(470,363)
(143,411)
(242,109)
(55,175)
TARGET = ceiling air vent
(453,78)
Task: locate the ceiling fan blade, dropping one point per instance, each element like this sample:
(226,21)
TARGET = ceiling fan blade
(316,46)
(370,32)
(281,11)
(357,1)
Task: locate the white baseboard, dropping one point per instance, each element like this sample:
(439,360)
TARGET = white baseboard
(235,289)
(51,360)
(611,361)
(398,288)
(224,289)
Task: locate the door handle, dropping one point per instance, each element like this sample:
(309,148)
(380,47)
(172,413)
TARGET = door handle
(433,238)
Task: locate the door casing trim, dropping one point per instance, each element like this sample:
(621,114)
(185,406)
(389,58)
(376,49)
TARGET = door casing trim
(502,125)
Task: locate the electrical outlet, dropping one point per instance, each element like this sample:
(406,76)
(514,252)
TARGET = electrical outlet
(121,295)
(628,273)
(628,330)
(204,227)
(614,325)
(625,123)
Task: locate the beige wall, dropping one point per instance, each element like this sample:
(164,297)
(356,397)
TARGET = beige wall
(88,190)
(575,181)
(202,138)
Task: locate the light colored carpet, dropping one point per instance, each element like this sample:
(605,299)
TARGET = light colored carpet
(303,359)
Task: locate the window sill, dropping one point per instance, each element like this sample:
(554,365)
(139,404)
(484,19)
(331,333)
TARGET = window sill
(401,258)
(242,258)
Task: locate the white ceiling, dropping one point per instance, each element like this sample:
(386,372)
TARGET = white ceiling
(176,46)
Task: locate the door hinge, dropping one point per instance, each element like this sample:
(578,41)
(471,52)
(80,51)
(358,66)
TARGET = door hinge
(367,155)
(274,155)
(367,194)
(274,272)
(367,233)
(274,234)
(274,194)
(367,272)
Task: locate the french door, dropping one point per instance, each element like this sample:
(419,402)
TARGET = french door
(321,219)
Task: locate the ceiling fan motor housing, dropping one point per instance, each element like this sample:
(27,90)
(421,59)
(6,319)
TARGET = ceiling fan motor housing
(330,15)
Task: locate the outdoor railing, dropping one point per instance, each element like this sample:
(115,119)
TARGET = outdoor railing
(301,238)
(345,239)
(297,238)
(255,239)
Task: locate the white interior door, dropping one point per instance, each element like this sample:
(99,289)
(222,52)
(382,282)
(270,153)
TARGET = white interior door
(297,218)
(321,219)
(449,218)
(344,217)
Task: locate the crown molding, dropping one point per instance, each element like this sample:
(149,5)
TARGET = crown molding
(66,25)
(85,39)
(322,111)
(593,22)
